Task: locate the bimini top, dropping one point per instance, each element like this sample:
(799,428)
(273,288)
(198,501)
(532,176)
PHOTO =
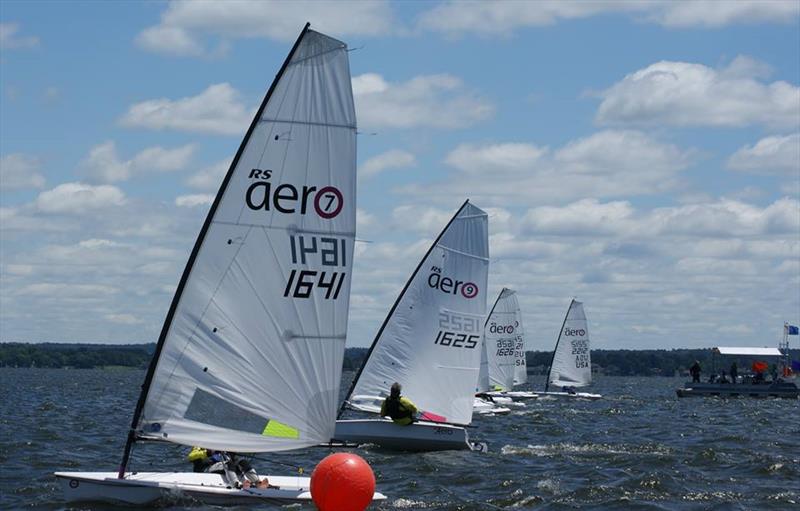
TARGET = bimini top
(757,352)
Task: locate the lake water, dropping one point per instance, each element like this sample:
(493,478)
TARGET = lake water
(639,448)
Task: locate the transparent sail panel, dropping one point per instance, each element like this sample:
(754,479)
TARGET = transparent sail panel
(572,364)
(432,342)
(504,342)
(253,354)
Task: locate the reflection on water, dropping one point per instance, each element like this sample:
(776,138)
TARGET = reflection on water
(639,448)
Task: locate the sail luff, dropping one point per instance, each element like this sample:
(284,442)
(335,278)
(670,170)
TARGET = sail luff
(394,307)
(195,250)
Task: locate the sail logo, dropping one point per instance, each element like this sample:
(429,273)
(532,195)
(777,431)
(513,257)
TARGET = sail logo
(447,285)
(327,202)
(575,332)
(503,329)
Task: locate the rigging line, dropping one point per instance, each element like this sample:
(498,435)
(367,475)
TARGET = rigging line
(191,336)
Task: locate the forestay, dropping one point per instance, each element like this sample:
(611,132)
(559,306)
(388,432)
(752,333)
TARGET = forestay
(251,352)
(572,365)
(505,346)
(431,340)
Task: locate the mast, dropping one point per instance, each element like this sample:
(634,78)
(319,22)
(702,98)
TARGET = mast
(190,263)
(547,381)
(394,307)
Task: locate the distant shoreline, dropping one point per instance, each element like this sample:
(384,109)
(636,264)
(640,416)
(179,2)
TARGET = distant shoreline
(668,363)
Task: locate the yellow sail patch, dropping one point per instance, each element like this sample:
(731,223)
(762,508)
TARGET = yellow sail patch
(280,430)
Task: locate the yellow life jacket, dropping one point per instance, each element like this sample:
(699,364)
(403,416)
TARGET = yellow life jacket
(197,454)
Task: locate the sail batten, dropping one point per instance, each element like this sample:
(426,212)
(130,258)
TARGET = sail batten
(250,356)
(432,337)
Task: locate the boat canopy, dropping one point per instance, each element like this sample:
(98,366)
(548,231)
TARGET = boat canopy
(756,352)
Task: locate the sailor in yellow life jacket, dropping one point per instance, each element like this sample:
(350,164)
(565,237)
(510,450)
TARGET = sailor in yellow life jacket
(400,409)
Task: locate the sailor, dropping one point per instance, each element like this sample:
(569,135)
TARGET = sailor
(695,371)
(400,409)
(734,372)
(236,472)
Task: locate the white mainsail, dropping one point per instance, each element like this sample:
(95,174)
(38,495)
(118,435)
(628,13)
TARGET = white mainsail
(250,356)
(504,341)
(431,340)
(572,364)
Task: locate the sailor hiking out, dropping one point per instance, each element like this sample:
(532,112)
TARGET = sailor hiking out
(237,472)
(401,410)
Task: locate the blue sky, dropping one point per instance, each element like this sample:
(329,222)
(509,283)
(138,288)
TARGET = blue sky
(641,156)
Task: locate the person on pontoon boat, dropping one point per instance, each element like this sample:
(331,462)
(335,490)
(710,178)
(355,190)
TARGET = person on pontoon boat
(401,409)
(236,472)
(695,371)
(734,372)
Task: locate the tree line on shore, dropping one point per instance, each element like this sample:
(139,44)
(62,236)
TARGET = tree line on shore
(137,356)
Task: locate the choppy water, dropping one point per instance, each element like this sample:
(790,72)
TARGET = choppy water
(639,448)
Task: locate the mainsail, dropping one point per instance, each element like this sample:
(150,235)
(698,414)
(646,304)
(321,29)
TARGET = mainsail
(505,343)
(572,364)
(250,355)
(431,340)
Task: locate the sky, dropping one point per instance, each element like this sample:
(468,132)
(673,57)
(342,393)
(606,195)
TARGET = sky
(642,157)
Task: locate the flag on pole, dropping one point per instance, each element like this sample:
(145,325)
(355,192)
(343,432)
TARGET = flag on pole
(792,330)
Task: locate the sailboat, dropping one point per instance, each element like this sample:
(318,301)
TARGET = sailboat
(249,357)
(571,365)
(430,342)
(504,336)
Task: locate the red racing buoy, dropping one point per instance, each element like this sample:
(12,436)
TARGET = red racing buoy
(342,482)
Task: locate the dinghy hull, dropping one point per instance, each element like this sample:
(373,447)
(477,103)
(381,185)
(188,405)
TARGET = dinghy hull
(148,487)
(419,436)
(513,394)
(573,395)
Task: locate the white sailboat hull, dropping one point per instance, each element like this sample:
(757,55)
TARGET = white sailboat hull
(483,407)
(148,487)
(513,394)
(571,395)
(419,436)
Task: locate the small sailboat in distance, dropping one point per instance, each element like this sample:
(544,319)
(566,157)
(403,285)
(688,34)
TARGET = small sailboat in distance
(504,335)
(430,343)
(250,355)
(571,365)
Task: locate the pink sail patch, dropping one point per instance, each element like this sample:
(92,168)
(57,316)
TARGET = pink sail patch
(428,416)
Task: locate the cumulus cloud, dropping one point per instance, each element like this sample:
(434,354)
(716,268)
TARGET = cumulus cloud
(437,101)
(502,17)
(78,198)
(185,25)
(169,40)
(191,201)
(104,164)
(10,40)
(61,290)
(687,94)
(728,218)
(776,154)
(210,178)
(19,171)
(217,110)
(393,159)
(611,163)
(587,216)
